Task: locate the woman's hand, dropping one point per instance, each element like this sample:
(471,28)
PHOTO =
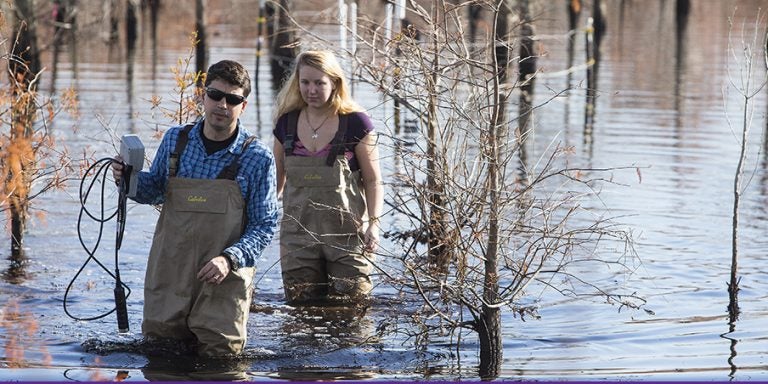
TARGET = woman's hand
(372,236)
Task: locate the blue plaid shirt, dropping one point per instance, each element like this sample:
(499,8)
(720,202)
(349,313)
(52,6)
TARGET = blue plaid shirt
(256,177)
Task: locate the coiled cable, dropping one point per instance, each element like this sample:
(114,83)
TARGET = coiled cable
(102,166)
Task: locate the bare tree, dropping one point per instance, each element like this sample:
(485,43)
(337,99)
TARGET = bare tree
(748,85)
(30,163)
(457,187)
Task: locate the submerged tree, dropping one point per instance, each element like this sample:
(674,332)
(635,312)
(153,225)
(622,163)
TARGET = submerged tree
(750,59)
(30,163)
(458,189)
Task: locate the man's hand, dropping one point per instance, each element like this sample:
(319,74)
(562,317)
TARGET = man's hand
(117,169)
(214,271)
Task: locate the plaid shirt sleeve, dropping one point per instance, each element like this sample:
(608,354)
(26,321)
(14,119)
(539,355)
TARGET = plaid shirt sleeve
(258,181)
(256,178)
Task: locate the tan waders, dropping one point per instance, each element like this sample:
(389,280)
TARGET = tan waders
(321,248)
(200,218)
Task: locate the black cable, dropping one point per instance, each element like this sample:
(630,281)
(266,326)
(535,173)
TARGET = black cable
(103,166)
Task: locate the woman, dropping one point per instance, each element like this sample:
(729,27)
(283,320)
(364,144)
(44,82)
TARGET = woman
(329,178)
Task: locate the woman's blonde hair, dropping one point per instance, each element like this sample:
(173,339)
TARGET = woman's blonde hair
(289,98)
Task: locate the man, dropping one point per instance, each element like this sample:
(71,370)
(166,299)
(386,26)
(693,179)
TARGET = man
(218,191)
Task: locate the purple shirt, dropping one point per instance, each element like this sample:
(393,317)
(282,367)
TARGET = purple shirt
(358,127)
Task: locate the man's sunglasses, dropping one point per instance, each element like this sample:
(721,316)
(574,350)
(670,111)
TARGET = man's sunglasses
(217,95)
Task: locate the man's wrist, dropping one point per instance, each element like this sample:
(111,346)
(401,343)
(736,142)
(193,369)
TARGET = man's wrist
(231,260)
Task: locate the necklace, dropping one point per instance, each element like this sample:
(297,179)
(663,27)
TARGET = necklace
(314,130)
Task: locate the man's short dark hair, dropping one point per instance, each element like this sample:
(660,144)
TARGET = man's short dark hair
(232,72)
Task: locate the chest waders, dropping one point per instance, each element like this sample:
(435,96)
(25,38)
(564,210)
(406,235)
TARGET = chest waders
(321,246)
(199,219)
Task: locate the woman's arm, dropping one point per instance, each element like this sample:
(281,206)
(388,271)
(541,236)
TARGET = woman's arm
(367,153)
(279,153)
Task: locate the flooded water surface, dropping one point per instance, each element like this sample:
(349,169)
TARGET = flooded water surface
(664,110)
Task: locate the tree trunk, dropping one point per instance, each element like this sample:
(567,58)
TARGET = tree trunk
(501,39)
(475,18)
(489,322)
(440,249)
(592,63)
(527,69)
(574,10)
(111,21)
(491,351)
(72,40)
(131,35)
(281,49)
(597,14)
(733,285)
(24,69)
(201,55)
(59,12)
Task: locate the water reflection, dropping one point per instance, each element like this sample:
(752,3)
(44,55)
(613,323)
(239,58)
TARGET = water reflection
(174,360)
(682,10)
(679,210)
(732,345)
(326,326)
(323,374)
(16,273)
(593,63)
(320,341)
(195,369)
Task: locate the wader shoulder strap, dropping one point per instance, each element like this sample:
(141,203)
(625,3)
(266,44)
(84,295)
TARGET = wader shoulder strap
(181,143)
(338,141)
(290,132)
(230,171)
